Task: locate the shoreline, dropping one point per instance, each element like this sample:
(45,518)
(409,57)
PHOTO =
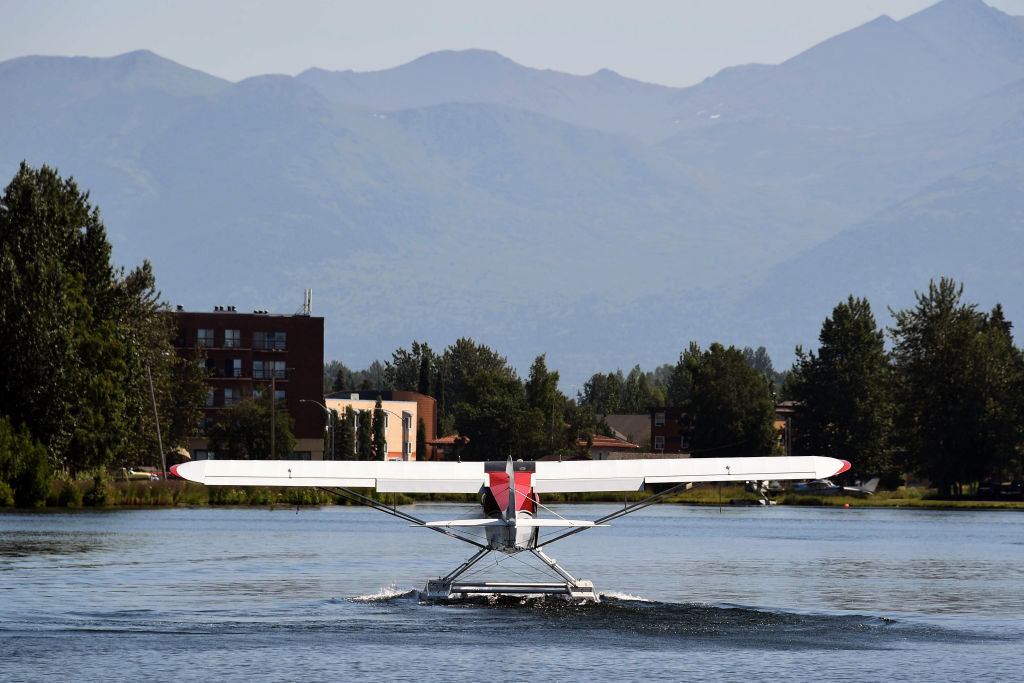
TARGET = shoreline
(159,494)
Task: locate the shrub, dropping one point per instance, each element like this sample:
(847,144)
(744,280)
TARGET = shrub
(98,494)
(24,467)
(70,495)
(6,495)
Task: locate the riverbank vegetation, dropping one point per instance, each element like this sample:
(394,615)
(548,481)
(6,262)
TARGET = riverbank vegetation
(88,363)
(99,492)
(87,347)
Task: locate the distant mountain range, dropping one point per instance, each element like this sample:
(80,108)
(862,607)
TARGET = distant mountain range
(602,220)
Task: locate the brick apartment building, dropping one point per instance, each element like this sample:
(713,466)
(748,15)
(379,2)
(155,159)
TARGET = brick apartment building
(668,433)
(259,352)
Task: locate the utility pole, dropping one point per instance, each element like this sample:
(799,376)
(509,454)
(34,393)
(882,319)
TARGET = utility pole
(156,417)
(273,410)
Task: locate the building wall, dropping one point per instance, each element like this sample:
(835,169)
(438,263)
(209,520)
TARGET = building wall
(401,420)
(249,352)
(426,409)
(667,436)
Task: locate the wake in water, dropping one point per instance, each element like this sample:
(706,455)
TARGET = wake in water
(386,593)
(648,622)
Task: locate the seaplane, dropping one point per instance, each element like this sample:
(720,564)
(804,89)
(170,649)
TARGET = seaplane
(825,487)
(510,494)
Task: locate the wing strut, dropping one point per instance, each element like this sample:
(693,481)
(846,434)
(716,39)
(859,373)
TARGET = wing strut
(350,495)
(639,505)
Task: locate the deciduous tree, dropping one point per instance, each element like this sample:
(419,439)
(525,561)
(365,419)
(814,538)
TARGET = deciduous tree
(732,408)
(242,431)
(78,335)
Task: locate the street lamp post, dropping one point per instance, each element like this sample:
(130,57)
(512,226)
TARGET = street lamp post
(330,419)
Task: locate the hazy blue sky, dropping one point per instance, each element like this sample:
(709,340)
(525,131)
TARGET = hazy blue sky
(676,42)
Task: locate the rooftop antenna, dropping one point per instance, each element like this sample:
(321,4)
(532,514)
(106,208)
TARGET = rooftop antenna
(307,303)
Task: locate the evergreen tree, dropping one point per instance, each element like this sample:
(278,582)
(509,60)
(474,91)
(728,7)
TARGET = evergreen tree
(958,388)
(680,383)
(543,425)
(421,440)
(845,393)
(345,436)
(379,440)
(364,435)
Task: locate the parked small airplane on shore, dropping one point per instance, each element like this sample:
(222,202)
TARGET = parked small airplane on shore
(510,496)
(825,487)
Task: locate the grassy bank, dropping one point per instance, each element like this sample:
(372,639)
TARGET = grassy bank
(99,493)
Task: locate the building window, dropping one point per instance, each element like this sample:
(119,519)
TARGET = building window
(209,398)
(659,419)
(259,370)
(280,372)
(205,423)
(233,367)
(279,395)
(204,336)
(232,339)
(659,443)
(231,397)
(270,341)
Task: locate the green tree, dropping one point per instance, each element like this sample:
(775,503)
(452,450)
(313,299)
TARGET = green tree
(958,387)
(421,440)
(844,393)
(490,416)
(379,440)
(23,466)
(581,426)
(732,408)
(604,393)
(338,377)
(242,431)
(543,424)
(77,334)
(414,370)
(1000,376)
(460,363)
(345,436)
(680,382)
(364,435)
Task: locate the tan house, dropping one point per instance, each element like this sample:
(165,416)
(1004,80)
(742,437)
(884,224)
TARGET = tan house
(401,419)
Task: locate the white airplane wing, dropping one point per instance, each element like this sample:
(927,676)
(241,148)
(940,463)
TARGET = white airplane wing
(471,477)
(387,477)
(631,475)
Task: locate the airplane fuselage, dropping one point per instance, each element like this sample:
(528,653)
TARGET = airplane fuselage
(510,504)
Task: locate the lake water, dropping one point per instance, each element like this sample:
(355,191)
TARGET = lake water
(687,593)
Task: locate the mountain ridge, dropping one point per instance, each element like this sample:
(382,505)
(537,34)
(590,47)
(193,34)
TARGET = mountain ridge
(606,223)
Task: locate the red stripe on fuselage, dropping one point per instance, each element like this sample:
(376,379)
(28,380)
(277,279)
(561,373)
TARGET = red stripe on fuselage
(524,496)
